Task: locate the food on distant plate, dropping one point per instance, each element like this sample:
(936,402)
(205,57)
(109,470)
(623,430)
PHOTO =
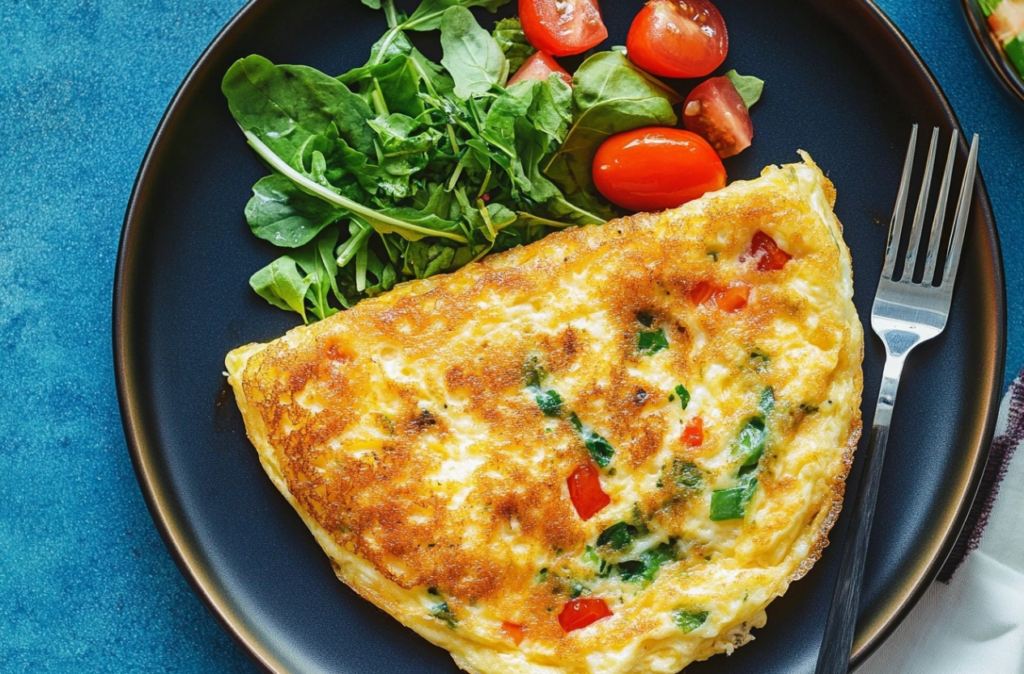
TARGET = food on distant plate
(562,27)
(655,168)
(678,38)
(604,452)
(1006,19)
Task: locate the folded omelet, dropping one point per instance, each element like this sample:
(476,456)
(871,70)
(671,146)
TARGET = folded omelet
(605,452)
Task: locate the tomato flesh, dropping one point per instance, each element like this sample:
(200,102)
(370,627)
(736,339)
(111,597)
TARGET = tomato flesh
(716,111)
(581,612)
(701,293)
(514,630)
(655,168)
(562,27)
(585,491)
(693,433)
(767,253)
(539,67)
(678,38)
(731,298)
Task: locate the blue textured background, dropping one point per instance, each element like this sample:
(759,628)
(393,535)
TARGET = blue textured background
(85,582)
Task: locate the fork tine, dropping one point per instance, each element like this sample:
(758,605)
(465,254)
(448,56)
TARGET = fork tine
(935,239)
(896,224)
(914,243)
(963,208)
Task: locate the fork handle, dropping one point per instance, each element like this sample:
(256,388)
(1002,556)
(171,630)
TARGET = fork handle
(834,655)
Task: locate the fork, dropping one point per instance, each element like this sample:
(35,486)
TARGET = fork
(905,314)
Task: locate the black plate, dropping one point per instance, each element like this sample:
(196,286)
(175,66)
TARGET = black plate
(1000,64)
(842,83)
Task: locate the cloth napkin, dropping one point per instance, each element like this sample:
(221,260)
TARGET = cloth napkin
(974,623)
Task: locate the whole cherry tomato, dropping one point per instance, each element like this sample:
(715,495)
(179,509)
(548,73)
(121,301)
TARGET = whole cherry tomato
(562,27)
(581,612)
(678,38)
(539,67)
(655,168)
(716,111)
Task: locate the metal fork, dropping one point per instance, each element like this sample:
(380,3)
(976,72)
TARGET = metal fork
(905,313)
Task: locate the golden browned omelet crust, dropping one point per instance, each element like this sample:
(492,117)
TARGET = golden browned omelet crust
(404,434)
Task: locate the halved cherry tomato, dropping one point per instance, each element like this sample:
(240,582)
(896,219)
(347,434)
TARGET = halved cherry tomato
(678,38)
(562,27)
(693,433)
(514,630)
(585,491)
(733,298)
(539,67)
(716,111)
(768,254)
(655,168)
(581,612)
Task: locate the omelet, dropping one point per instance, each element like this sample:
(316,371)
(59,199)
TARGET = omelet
(603,453)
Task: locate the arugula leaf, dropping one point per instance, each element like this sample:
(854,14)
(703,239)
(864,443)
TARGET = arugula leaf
(284,215)
(748,87)
(428,16)
(471,55)
(510,37)
(285,105)
(281,284)
(610,95)
(317,260)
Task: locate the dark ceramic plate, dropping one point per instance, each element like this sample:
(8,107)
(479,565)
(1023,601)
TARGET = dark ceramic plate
(1001,66)
(842,83)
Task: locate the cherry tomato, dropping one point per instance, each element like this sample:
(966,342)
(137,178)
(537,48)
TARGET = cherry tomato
(693,433)
(562,27)
(678,38)
(655,168)
(768,254)
(585,491)
(733,298)
(716,111)
(581,612)
(539,67)
(514,630)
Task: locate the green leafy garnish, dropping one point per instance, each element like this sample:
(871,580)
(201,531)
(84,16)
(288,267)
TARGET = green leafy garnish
(651,341)
(600,449)
(618,536)
(688,620)
(731,504)
(647,566)
(687,474)
(749,87)
(684,395)
(442,612)
(550,403)
(750,442)
(281,284)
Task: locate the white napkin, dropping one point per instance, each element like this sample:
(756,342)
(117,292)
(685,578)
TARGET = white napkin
(975,624)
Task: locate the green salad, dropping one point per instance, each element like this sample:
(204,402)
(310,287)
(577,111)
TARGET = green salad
(403,168)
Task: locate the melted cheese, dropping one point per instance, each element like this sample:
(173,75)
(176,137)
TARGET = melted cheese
(405,434)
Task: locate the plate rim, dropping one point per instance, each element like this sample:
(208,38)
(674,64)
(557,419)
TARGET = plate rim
(184,550)
(995,57)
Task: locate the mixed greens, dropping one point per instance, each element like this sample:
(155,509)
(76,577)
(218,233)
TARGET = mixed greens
(403,168)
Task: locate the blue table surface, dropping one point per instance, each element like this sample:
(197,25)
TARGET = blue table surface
(85,583)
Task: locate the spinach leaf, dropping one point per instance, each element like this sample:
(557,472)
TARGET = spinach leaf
(284,215)
(748,87)
(601,451)
(549,402)
(684,395)
(651,341)
(645,569)
(393,86)
(281,284)
(610,95)
(618,536)
(471,55)
(285,105)
(687,620)
(510,37)
(428,16)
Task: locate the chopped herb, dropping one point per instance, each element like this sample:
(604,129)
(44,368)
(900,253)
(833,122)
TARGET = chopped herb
(684,395)
(646,567)
(617,536)
(549,402)
(542,575)
(688,621)
(687,474)
(577,589)
(646,319)
(751,441)
(760,359)
(671,397)
(731,504)
(533,373)
(766,404)
(600,449)
(638,520)
(442,612)
(651,341)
